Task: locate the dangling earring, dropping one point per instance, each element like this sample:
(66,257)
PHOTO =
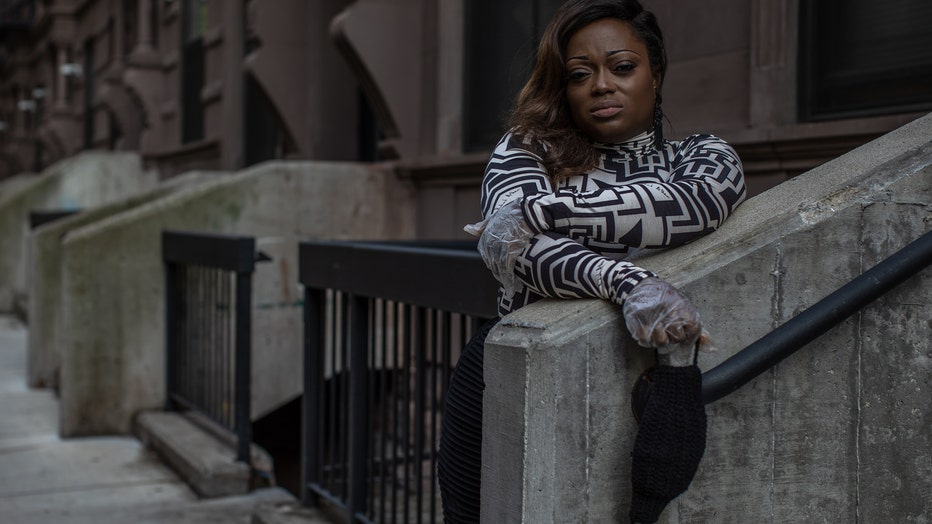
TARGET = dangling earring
(658,123)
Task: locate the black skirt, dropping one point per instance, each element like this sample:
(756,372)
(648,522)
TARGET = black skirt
(459,460)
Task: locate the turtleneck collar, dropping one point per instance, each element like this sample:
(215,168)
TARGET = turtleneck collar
(639,145)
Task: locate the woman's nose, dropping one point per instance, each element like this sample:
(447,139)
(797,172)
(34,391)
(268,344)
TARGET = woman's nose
(602,82)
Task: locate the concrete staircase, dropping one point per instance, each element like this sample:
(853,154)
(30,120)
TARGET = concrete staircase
(101,480)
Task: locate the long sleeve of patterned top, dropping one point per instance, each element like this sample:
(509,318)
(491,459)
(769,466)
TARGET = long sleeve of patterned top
(637,197)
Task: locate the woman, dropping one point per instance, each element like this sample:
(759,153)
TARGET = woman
(582,179)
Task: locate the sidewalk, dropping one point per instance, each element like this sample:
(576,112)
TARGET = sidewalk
(95,480)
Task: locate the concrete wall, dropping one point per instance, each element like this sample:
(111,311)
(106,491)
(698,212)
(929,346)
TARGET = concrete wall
(44,260)
(113,357)
(9,184)
(80,182)
(835,433)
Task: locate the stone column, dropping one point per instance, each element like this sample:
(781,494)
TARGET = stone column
(773,72)
(145,28)
(557,427)
(143,52)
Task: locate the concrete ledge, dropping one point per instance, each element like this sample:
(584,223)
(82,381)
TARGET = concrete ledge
(112,327)
(828,435)
(206,463)
(44,255)
(557,375)
(84,181)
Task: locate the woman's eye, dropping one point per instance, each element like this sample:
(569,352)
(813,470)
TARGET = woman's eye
(624,67)
(577,75)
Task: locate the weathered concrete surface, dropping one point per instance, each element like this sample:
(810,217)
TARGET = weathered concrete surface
(44,260)
(10,184)
(113,356)
(208,465)
(97,480)
(277,311)
(832,434)
(551,418)
(83,181)
(289,512)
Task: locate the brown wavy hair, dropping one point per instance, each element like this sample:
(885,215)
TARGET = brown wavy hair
(541,114)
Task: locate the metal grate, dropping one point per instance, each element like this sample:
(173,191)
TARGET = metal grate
(379,352)
(208,328)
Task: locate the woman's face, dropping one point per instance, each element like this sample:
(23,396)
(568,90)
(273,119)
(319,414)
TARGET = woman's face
(610,87)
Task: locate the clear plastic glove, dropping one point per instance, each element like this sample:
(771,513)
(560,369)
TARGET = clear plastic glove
(502,237)
(659,316)
(678,354)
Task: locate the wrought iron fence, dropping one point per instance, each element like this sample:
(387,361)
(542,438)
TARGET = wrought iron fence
(383,327)
(208,328)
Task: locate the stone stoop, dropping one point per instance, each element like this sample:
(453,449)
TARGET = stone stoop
(200,457)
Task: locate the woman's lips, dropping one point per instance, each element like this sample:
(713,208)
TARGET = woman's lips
(605,109)
(606,112)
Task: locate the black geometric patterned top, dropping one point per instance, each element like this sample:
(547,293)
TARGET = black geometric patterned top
(637,198)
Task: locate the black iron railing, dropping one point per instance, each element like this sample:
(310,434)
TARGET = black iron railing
(208,282)
(782,342)
(384,324)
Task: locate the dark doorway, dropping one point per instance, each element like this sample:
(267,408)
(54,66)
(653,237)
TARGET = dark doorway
(279,433)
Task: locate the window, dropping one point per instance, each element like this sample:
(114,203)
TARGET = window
(862,57)
(115,132)
(265,135)
(500,47)
(38,157)
(39,93)
(130,25)
(69,79)
(192,70)
(89,94)
(53,66)
(154,23)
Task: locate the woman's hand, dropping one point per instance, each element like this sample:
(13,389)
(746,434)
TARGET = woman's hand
(659,316)
(502,237)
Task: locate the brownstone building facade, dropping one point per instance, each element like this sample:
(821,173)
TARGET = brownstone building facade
(224,84)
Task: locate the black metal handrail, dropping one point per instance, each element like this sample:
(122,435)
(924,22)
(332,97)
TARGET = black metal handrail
(782,342)
(406,271)
(208,283)
(383,321)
